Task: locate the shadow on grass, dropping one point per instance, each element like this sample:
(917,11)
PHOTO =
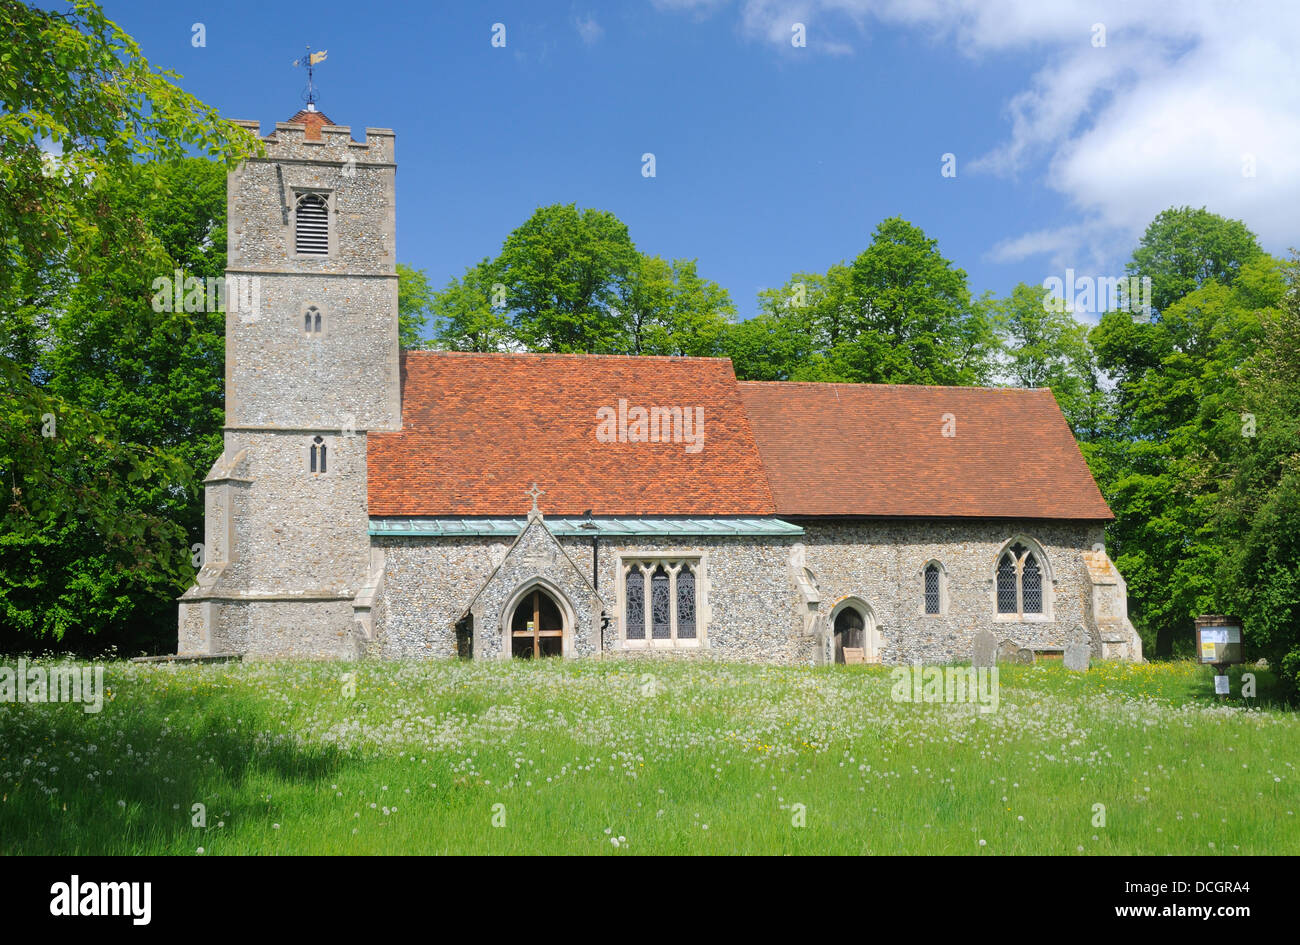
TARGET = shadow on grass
(1269,692)
(125,780)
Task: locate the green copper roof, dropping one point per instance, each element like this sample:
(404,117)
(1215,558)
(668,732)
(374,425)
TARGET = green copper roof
(604,527)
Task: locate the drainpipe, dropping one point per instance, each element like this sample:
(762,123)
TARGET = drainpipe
(595,572)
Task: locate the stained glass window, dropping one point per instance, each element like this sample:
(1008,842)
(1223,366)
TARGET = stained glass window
(635,613)
(685,603)
(660,605)
(932,589)
(1007,585)
(1031,583)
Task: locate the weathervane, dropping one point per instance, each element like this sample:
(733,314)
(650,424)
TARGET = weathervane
(310,61)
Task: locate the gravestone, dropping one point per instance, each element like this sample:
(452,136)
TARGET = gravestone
(1007,651)
(1025,656)
(984,652)
(1077,656)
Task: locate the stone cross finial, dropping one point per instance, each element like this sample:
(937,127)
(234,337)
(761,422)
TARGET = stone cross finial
(535,492)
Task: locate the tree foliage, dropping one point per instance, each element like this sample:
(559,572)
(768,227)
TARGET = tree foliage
(99,396)
(900,313)
(1184,248)
(571,280)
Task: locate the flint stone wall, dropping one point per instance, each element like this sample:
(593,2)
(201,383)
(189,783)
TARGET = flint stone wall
(750,606)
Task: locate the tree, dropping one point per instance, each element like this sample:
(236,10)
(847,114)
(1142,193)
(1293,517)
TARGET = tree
(1183,249)
(1175,429)
(570,280)
(900,313)
(561,270)
(1043,346)
(1258,513)
(467,316)
(86,526)
(669,309)
(414,306)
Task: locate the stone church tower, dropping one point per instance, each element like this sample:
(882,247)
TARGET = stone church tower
(311,368)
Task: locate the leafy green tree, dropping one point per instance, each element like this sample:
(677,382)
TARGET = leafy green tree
(467,316)
(87,527)
(1185,248)
(771,347)
(77,101)
(900,313)
(1174,431)
(570,280)
(669,309)
(1258,515)
(414,306)
(153,374)
(1043,346)
(561,269)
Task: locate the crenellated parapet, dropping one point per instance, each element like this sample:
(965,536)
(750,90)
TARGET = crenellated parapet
(316,139)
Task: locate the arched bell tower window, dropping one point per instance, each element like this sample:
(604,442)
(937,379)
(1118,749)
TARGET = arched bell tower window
(318,455)
(311,234)
(312,320)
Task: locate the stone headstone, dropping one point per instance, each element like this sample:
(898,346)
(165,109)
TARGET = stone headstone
(984,651)
(1077,656)
(1025,656)
(1007,651)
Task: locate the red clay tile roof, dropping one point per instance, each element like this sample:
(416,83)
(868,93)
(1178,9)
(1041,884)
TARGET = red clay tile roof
(478,429)
(313,121)
(878,450)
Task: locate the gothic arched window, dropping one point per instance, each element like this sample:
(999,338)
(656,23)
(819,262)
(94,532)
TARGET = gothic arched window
(634,612)
(318,455)
(1031,585)
(662,603)
(1021,589)
(311,235)
(686,603)
(1007,584)
(311,320)
(933,598)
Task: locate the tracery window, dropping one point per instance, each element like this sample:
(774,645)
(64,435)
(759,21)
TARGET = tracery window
(686,603)
(634,603)
(670,588)
(1020,587)
(311,320)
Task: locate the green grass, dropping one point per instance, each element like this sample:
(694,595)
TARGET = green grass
(673,757)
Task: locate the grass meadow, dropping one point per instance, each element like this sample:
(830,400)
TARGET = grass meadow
(632,757)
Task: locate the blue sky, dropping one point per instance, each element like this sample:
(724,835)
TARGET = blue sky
(772,159)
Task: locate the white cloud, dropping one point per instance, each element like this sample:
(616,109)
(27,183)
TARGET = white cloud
(589,30)
(1165,114)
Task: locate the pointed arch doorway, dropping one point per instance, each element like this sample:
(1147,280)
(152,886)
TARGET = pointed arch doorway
(854,626)
(537,626)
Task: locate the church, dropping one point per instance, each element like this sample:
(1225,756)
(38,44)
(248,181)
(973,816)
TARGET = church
(427,504)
